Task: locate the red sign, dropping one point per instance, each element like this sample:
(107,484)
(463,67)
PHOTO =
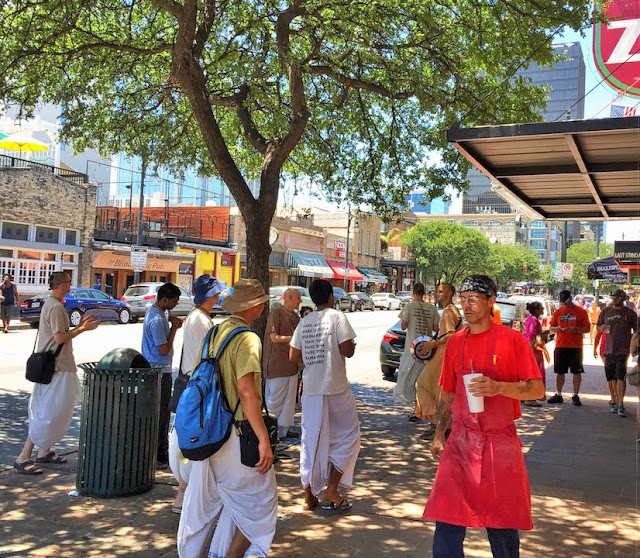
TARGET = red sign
(616,45)
(340,254)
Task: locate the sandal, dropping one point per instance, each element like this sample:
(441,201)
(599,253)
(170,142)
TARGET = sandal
(51,458)
(27,468)
(338,507)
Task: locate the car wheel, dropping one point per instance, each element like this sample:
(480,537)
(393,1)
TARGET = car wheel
(133,320)
(388,372)
(373,307)
(34,325)
(124,317)
(75,317)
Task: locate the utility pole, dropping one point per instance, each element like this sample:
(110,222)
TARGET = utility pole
(346,254)
(139,237)
(597,293)
(563,253)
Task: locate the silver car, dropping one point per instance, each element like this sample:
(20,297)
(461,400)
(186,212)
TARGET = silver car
(141,296)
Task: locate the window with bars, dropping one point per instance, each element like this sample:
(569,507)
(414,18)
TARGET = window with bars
(15,231)
(50,235)
(71,238)
(7,266)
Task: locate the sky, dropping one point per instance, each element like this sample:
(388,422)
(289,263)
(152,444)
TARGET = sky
(599,95)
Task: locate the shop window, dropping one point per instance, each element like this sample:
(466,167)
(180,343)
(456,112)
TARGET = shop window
(49,235)
(69,258)
(6,253)
(27,273)
(15,231)
(45,271)
(28,255)
(7,267)
(49,256)
(471,223)
(71,238)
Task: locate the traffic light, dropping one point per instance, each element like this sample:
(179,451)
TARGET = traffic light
(524,267)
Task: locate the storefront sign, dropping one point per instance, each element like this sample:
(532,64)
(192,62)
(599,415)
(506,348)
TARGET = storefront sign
(635,280)
(615,46)
(627,252)
(341,254)
(340,244)
(110,260)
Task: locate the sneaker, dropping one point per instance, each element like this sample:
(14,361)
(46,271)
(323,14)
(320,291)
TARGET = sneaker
(621,411)
(614,409)
(413,418)
(612,403)
(555,399)
(576,401)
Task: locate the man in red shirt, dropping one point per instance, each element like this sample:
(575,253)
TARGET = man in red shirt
(481,479)
(569,323)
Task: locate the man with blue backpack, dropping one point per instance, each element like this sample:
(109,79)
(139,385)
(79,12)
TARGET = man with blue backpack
(222,401)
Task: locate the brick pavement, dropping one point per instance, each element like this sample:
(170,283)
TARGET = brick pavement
(582,462)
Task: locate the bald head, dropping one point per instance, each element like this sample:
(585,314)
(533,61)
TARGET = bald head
(292,299)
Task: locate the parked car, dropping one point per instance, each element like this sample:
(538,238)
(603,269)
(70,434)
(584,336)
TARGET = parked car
(391,349)
(141,296)
(513,312)
(388,301)
(79,302)
(405,297)
(362,300)
(277,297)
(342,301)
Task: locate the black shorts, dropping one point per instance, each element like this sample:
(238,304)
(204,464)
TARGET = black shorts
(615,366)
(568,358)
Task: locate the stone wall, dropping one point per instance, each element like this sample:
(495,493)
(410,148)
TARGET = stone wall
(36,197)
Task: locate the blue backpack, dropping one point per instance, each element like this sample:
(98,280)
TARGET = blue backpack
(203,418)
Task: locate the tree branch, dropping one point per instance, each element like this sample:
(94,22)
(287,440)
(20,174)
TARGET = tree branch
(202,34)
(251,132)
(358,83)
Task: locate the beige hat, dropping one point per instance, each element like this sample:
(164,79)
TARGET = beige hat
(247,293)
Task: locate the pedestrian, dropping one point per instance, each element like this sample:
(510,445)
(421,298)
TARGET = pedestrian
(330,426)
(481,479)
(594,313)
(427,388)
(8,299)
(281,375)
(569,323)
(419,318)
(534,335)
(51,405)
(243,499)
(158,334)
(496,317)
(618,322)
(206,290)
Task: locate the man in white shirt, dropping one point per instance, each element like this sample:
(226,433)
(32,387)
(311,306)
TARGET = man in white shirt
(330,426)
(206,290)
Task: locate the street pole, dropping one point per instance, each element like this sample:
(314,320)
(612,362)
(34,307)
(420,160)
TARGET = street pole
(597,293)
(136,277)
(563,253)
(346,254)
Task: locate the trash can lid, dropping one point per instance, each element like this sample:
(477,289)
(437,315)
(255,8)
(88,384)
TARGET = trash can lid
(122,359)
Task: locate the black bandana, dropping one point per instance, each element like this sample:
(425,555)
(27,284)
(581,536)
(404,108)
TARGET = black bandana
(480,284)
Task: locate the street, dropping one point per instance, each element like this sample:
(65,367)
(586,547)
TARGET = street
(91,346)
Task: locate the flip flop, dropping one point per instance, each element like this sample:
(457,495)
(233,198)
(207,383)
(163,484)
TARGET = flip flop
(51,458)
(338,507)
(27,468)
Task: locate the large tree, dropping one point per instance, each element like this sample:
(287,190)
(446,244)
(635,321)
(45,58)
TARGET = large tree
(515,263)
(354,95)
(448,252)
(581,255)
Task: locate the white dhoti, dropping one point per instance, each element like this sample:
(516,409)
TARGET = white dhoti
(51,409)
(409,370)
(180,469)
(330,436)
(242,498)
(280,395)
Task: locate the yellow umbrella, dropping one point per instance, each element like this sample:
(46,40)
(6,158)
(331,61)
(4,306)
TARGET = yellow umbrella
(21,141)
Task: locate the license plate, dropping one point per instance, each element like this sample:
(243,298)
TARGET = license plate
(35,305)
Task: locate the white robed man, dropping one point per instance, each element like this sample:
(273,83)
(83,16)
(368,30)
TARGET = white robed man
(243,499)
(330,426)
(206,292)
(281,375)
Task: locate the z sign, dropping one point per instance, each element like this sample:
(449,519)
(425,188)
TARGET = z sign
(616,45)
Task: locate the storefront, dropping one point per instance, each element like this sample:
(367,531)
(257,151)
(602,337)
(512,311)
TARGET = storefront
(113,272)
(220,261)
(304,267)
(374,280)
(354,277)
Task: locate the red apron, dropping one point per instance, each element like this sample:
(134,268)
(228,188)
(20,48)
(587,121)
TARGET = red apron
(481,479)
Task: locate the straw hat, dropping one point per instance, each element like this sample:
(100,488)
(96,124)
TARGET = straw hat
(247,293)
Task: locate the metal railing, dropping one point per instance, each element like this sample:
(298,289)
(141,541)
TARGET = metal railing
(7,161)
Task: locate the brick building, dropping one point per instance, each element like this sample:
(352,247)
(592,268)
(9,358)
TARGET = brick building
(46,224)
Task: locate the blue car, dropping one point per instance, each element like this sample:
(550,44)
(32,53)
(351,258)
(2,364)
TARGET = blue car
(79,302)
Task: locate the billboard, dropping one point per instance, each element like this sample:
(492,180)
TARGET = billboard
(616,45)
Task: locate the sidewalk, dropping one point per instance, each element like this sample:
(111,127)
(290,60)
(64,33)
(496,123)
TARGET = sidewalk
(582,463)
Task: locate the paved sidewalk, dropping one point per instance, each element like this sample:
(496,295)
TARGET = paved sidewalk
(582,462)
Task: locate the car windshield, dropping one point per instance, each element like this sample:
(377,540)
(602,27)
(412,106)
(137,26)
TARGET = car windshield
(507,311)
(403,293)
(337,291)
(137,291)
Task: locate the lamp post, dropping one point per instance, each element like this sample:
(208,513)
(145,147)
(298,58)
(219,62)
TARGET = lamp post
(346,253)
(130,188)
(136,276)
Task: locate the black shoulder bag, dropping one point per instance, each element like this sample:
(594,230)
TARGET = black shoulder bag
(42,366)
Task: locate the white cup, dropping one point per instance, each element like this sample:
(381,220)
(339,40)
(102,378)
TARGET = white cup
(476,404)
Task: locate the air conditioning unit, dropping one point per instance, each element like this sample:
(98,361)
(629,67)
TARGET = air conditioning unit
(170,243)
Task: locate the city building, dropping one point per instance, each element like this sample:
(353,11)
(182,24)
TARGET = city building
(46,224)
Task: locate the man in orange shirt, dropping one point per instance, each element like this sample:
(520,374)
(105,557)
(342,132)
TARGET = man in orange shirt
(569,323)
(594,314)
(494,315)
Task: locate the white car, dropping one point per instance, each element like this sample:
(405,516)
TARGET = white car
(277,297)
(387,301)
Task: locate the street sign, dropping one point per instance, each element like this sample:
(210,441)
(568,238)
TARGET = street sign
(556,270)
(635,280)
(138,258)
(567,271)
(615,46)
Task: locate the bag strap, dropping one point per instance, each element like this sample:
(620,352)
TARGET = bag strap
(35,343)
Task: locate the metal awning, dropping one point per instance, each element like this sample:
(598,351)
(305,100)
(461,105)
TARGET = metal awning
(571,170)
(308,264)
(338,269)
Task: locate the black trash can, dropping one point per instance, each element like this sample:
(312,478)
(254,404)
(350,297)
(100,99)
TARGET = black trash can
(119,425)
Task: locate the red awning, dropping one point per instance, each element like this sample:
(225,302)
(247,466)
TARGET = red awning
(338,271)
